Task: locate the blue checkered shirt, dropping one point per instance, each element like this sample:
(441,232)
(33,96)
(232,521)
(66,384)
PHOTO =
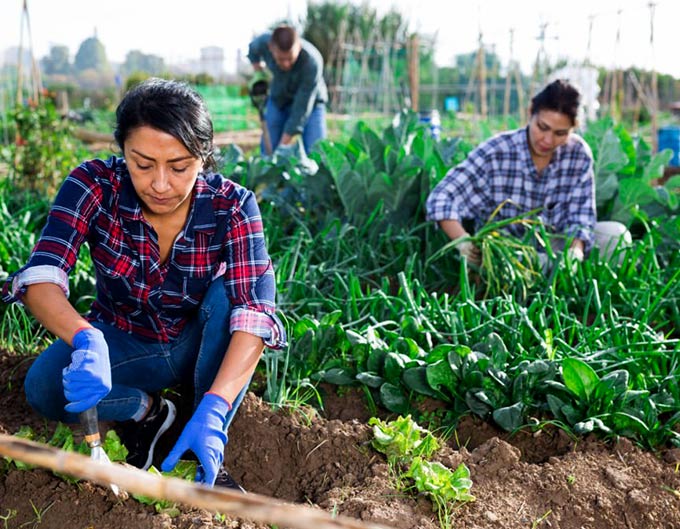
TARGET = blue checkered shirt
(502,169)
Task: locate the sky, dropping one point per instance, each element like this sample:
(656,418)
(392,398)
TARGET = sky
(177,31)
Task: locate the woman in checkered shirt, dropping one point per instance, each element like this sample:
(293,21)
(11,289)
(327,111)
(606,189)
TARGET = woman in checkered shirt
(544,166)
(185,291)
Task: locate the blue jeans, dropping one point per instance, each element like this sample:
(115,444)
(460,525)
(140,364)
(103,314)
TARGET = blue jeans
(139,367)
(275,117)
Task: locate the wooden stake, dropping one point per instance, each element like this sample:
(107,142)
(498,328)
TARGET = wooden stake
(414,71)
(655,89)
(481,72)
(249,506)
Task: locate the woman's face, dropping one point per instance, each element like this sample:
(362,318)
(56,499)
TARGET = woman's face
(547,131)
(163,171)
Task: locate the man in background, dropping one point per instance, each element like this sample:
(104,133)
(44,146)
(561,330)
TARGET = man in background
(297,96)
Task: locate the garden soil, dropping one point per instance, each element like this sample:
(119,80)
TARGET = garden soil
(324,459)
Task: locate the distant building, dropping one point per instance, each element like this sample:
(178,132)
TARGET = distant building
(212,61)
(10,57)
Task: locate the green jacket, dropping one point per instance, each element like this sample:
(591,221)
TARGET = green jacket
(300,88)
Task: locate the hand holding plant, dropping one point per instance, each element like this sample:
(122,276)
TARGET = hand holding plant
(469,250)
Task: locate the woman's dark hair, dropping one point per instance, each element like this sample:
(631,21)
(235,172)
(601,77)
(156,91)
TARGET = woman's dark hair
(172,107)
(559,96)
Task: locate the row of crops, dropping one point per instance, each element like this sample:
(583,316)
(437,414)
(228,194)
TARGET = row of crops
(371,300)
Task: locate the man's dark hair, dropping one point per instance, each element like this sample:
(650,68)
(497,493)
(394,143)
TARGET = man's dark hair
(283,37)
(559,96)
(172,107)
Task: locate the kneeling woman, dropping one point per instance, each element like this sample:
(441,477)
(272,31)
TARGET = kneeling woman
(185,288)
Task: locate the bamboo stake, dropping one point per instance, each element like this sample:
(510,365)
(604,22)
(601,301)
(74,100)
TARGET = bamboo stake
(655,89)
(508,77)
(481,72)
(251,506)
(414,71)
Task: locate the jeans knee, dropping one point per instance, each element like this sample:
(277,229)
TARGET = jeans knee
(43,383)
(39,395)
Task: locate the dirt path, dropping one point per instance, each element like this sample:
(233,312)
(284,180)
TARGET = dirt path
(530,481)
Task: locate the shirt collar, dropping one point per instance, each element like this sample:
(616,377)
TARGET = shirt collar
(128,202)
(203,211)
(522,141)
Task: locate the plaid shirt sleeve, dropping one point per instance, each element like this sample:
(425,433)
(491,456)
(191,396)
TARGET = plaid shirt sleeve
(249,277)
(581,209)
(462,192)
(56,252)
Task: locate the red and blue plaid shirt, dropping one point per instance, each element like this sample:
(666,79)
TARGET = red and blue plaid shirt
(137,293)
(501,169)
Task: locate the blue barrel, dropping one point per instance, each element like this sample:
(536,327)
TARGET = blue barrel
(669,138)
(432,120)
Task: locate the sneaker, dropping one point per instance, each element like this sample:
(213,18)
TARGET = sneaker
(225,480)
(140,438)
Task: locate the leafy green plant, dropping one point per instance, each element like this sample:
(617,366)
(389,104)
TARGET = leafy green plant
(63,439)
(402,439)
(393,172)
(607,404)
(408,448)
(440,482)
(626,173)
(444,487)
(183,470)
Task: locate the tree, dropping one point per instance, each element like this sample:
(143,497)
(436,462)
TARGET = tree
(324,26)
(91,56)
(57,62)
(136,61)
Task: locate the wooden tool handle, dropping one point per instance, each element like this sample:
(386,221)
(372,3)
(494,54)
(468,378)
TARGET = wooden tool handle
(226,501)
(90,423)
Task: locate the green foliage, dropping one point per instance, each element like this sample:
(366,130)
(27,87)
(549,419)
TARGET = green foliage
(409,448)
(392,173)
(608,405)
(327,24)
(183,470)
(438,481)
(64,440)
(626,175)
(382,306)
(45,151)
(402,439)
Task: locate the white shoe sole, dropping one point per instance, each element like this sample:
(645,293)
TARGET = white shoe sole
(172,413)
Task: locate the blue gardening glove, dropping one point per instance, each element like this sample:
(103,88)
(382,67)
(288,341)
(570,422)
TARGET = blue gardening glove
(205,436)
(87,379)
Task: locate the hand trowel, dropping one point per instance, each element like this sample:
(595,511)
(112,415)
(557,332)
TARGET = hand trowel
(90,422)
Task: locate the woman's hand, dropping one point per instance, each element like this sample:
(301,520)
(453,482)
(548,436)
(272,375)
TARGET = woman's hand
(470,251)
(87,379)
(205,436)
